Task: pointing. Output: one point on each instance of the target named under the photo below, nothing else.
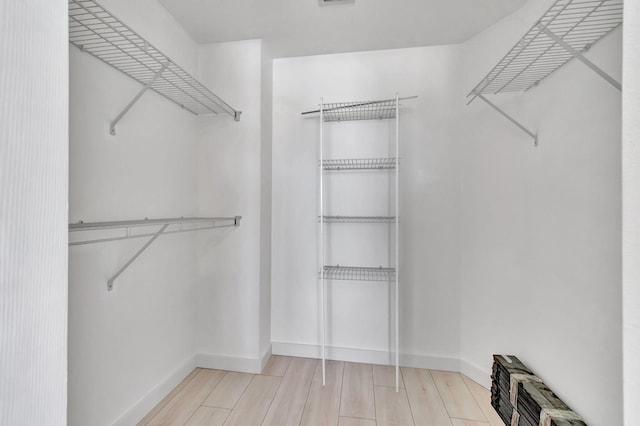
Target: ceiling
(303, 27)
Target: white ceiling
(303, 27)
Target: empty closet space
(291, 391)
(235, 261)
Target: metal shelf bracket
(134, 257)
(112, 126)
(579, 56)
(511, 119)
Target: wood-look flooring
(289, 392)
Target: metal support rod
(397, 241)
(511, 119)
(579, 56)
(112, 126)
(321, 239)
(135, 256)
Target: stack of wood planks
(522, 399)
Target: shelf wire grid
(96, 31)
(358, 273)
(365, 110)
(360, 164)
(579, 23)
(358, 219)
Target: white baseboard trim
(366, 356)
(230, 363)
(477, 374)
(146, 404)
(430, 362)
(335, 353)
(256, 365)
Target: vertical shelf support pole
(112, 125)
(135, 256)
(397, 238)
(508, 117)
(321, 238)
(579, 56)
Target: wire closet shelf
(576, 24)
(96, 31)
(180, 224)
(350, 111)
(359, 219)
(359, 164)
(358, 273)
(359, 110)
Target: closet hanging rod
(199, 223)
(92, 226)
(96, 31)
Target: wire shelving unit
(566, 31)
(356, 111)
(96, 31)
(143, 228)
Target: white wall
(33, 212)
(631, 212)
(130, 346)
(230, 169)
(429, 320)
(542, 226)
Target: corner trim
(266, 356)
(477, 374)
(229, 363)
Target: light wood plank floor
(290, 392)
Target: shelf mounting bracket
(112, 125)
(579, 56)
(511, 119)
(135, 256)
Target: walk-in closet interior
(195, 188)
